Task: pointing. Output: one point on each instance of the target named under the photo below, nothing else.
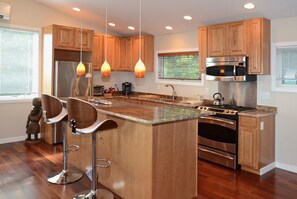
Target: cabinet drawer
(248, 121)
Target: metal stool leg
(66, 176)
(94, 192)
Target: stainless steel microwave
(234, 68)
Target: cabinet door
(216, 40)
(202, 41)
(65, 37)
(129, 66)
(248, 142)
(236, 38)
(259, 46)
(136, 47)
(87, 39)
(120, 53)
(98, 53)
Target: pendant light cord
(105, 30)
(140, 30)
(81, 32)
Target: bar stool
(83, 120)
(53, 112)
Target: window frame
(274, 87)
(26, 98)
(176, 81)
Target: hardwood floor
(24, 169)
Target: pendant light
(139, 69)
(105, 68)
(80, 69)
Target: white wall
(28, 14)
(282, 30)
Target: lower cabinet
(256, 142)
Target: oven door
(217, 139)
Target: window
(19, 58)
(284, 67)
(178, 66)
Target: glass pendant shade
(105, 69)
(139, 69)
(80, 69)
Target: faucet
(174, 95)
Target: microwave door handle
(234, 71)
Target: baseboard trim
(12, 139)
(267, 168)
(286, 167)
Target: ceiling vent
(4, 11)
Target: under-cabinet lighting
(249, 6)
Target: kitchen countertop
(149, 115)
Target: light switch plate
(262, 126)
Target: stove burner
(224, 109)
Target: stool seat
(54, 112)
(83, 120)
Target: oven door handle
(218, 119)
(216, 153)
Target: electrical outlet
(264, 95)
(261, 125)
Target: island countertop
(148, 115)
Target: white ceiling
(156, 14)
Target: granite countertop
(149, 115)
(260, 111)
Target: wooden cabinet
(249, 38)
(227, 39)
(256, 142)
(202, 42)
(68, 38)
(123, 52)
(259, 46)
(147, 51)
(98, 51)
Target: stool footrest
(103, 163)
(72, 147)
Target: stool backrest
(84, 113)
(52, 105)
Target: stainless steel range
(218, 134)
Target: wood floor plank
(24, 169)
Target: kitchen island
(153, 151)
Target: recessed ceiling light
(131, 28)
(249, 6)
(187, 17)
(111, 24)
(76, 9)
(168, 27)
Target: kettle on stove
(218, 99)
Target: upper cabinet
(68, 38)
(227, 39)
(123, 52)
(249, 38)
(259, 46)
(202, 41)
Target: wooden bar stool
(53, 112)
(83, 119)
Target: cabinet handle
(216, 153)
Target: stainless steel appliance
(233, 68)
(127, 88)
(98, 90)
(218, 134)
(68, 84)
